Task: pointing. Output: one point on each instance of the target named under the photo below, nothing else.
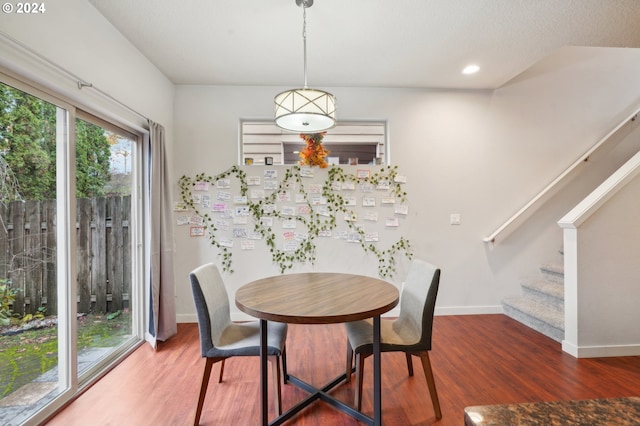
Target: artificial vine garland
(314, 222)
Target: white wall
(72, 34)
(482, 154)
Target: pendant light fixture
(305, 110)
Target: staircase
(541, 305)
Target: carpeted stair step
(544, 291)
(546, 319)
(553, 272)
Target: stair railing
(552, 188)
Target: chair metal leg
(431, 383)
(349, 366)
(203, 389)
(409, 363)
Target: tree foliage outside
(93, 156)
(27, 143)
(28, 149)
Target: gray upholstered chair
(221, 339)
(409, 333)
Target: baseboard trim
(600, 351)
(470, 310)
(186, 318)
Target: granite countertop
(591, 412)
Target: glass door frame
(136, 301)
(69, 383)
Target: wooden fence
(103, 254)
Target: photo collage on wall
(240, 207)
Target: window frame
(265, 139)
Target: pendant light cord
(304, 39)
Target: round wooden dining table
(318, 298)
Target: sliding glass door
(105, 168)
(69, 222)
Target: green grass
(27, 355)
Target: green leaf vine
(315, 222)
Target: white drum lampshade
(305, 110)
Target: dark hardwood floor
(476, 359)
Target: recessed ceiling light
(471, 69)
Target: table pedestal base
(323, 393)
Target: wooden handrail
(552, 188)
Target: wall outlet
(454, 219)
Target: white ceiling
(377, 43)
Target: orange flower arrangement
(314, 153)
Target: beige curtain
(162, 310)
